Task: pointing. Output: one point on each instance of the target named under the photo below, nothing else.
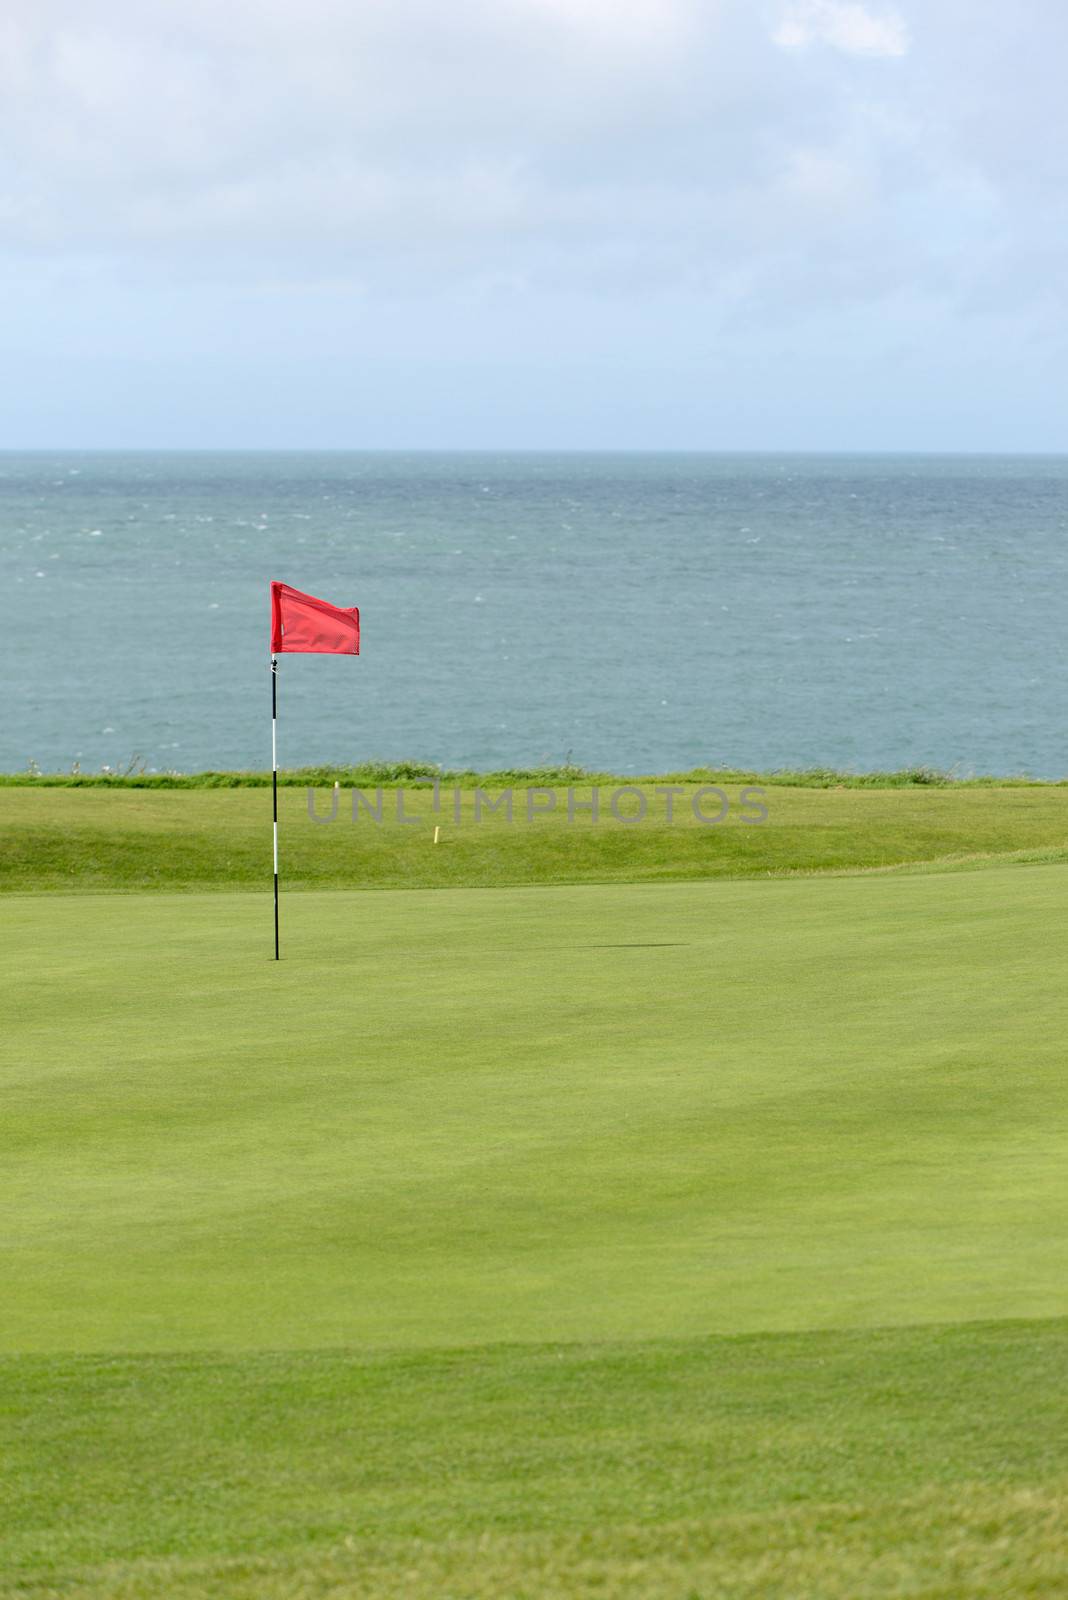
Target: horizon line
(529, 450)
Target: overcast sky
(694, 224)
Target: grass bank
(125, 837)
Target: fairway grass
(678, 1240)
(93, 839)
(902, 1462)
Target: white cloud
(588, 145)
(844, 25)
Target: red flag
(301, 623)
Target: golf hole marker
(301, 624)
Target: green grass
(664, 1239)
(589, 1113)
(781, 1106)
(71, 839)
(899, 1462)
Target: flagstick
(274, 787)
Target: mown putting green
(513, 1136)
(537, 1114)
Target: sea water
(637, 613)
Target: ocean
(637, 613)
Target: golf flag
(301, 623)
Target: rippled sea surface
(640, 613)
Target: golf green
(587, 1113)
(668, 1240)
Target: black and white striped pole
(274, 787)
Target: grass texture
(679, 1240)
(124, 838)
(900, 1462)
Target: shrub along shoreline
(369, 774)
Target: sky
(534, 224)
